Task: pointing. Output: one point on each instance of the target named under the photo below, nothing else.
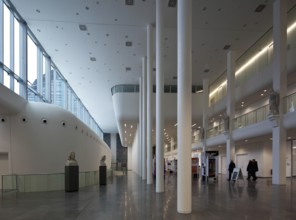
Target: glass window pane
(59, 93)
(16, 47)
(16, 87)
(6, 80)
(32, 62)
(6, 36)
(44, 77)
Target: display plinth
(103, 175)
(71, 178)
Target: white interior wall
(35, 147)
(113, 147)
(267, 159)
(130, 158)
(294, 159)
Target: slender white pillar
(184, 197)
(144, 119)
(149, 105)
(140, 127)
(280, 87)
(230, 102)
(205, 110)
(159, 97)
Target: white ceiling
(110, 23)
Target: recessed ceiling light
(82, 27)
(260, 8)
(226, 47)
(129, 2)
(128, 43)
(172, 3)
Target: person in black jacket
(252, 168)
(230, 169)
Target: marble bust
(102, 161)
(71, 160)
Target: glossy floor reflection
(128, 197)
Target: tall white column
(159, 97)
(280, 87)
(230, 102)
(140, 127)
(205, 108)
(184, 197)
(149, 105)
(144, 119)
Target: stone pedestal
(103, 175)
(71, 178)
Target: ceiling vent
(93, 59)
(128, 43)
(226, 47)
(82, 27)
(260, 8)
(172, 3)
(129, 2)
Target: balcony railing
(289, 103)
(252, 117)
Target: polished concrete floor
(128, 197)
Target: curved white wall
(35, 147)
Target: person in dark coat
(230, 169)
(252, 168)
(249, 169)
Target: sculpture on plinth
(71, 160)
(102, 161)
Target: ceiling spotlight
(172, 3)
(82, 27)
(226, 47)
(128, 44)
(260, 8)
(129, 2)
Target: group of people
(252, 168)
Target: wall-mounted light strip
(252, 60)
